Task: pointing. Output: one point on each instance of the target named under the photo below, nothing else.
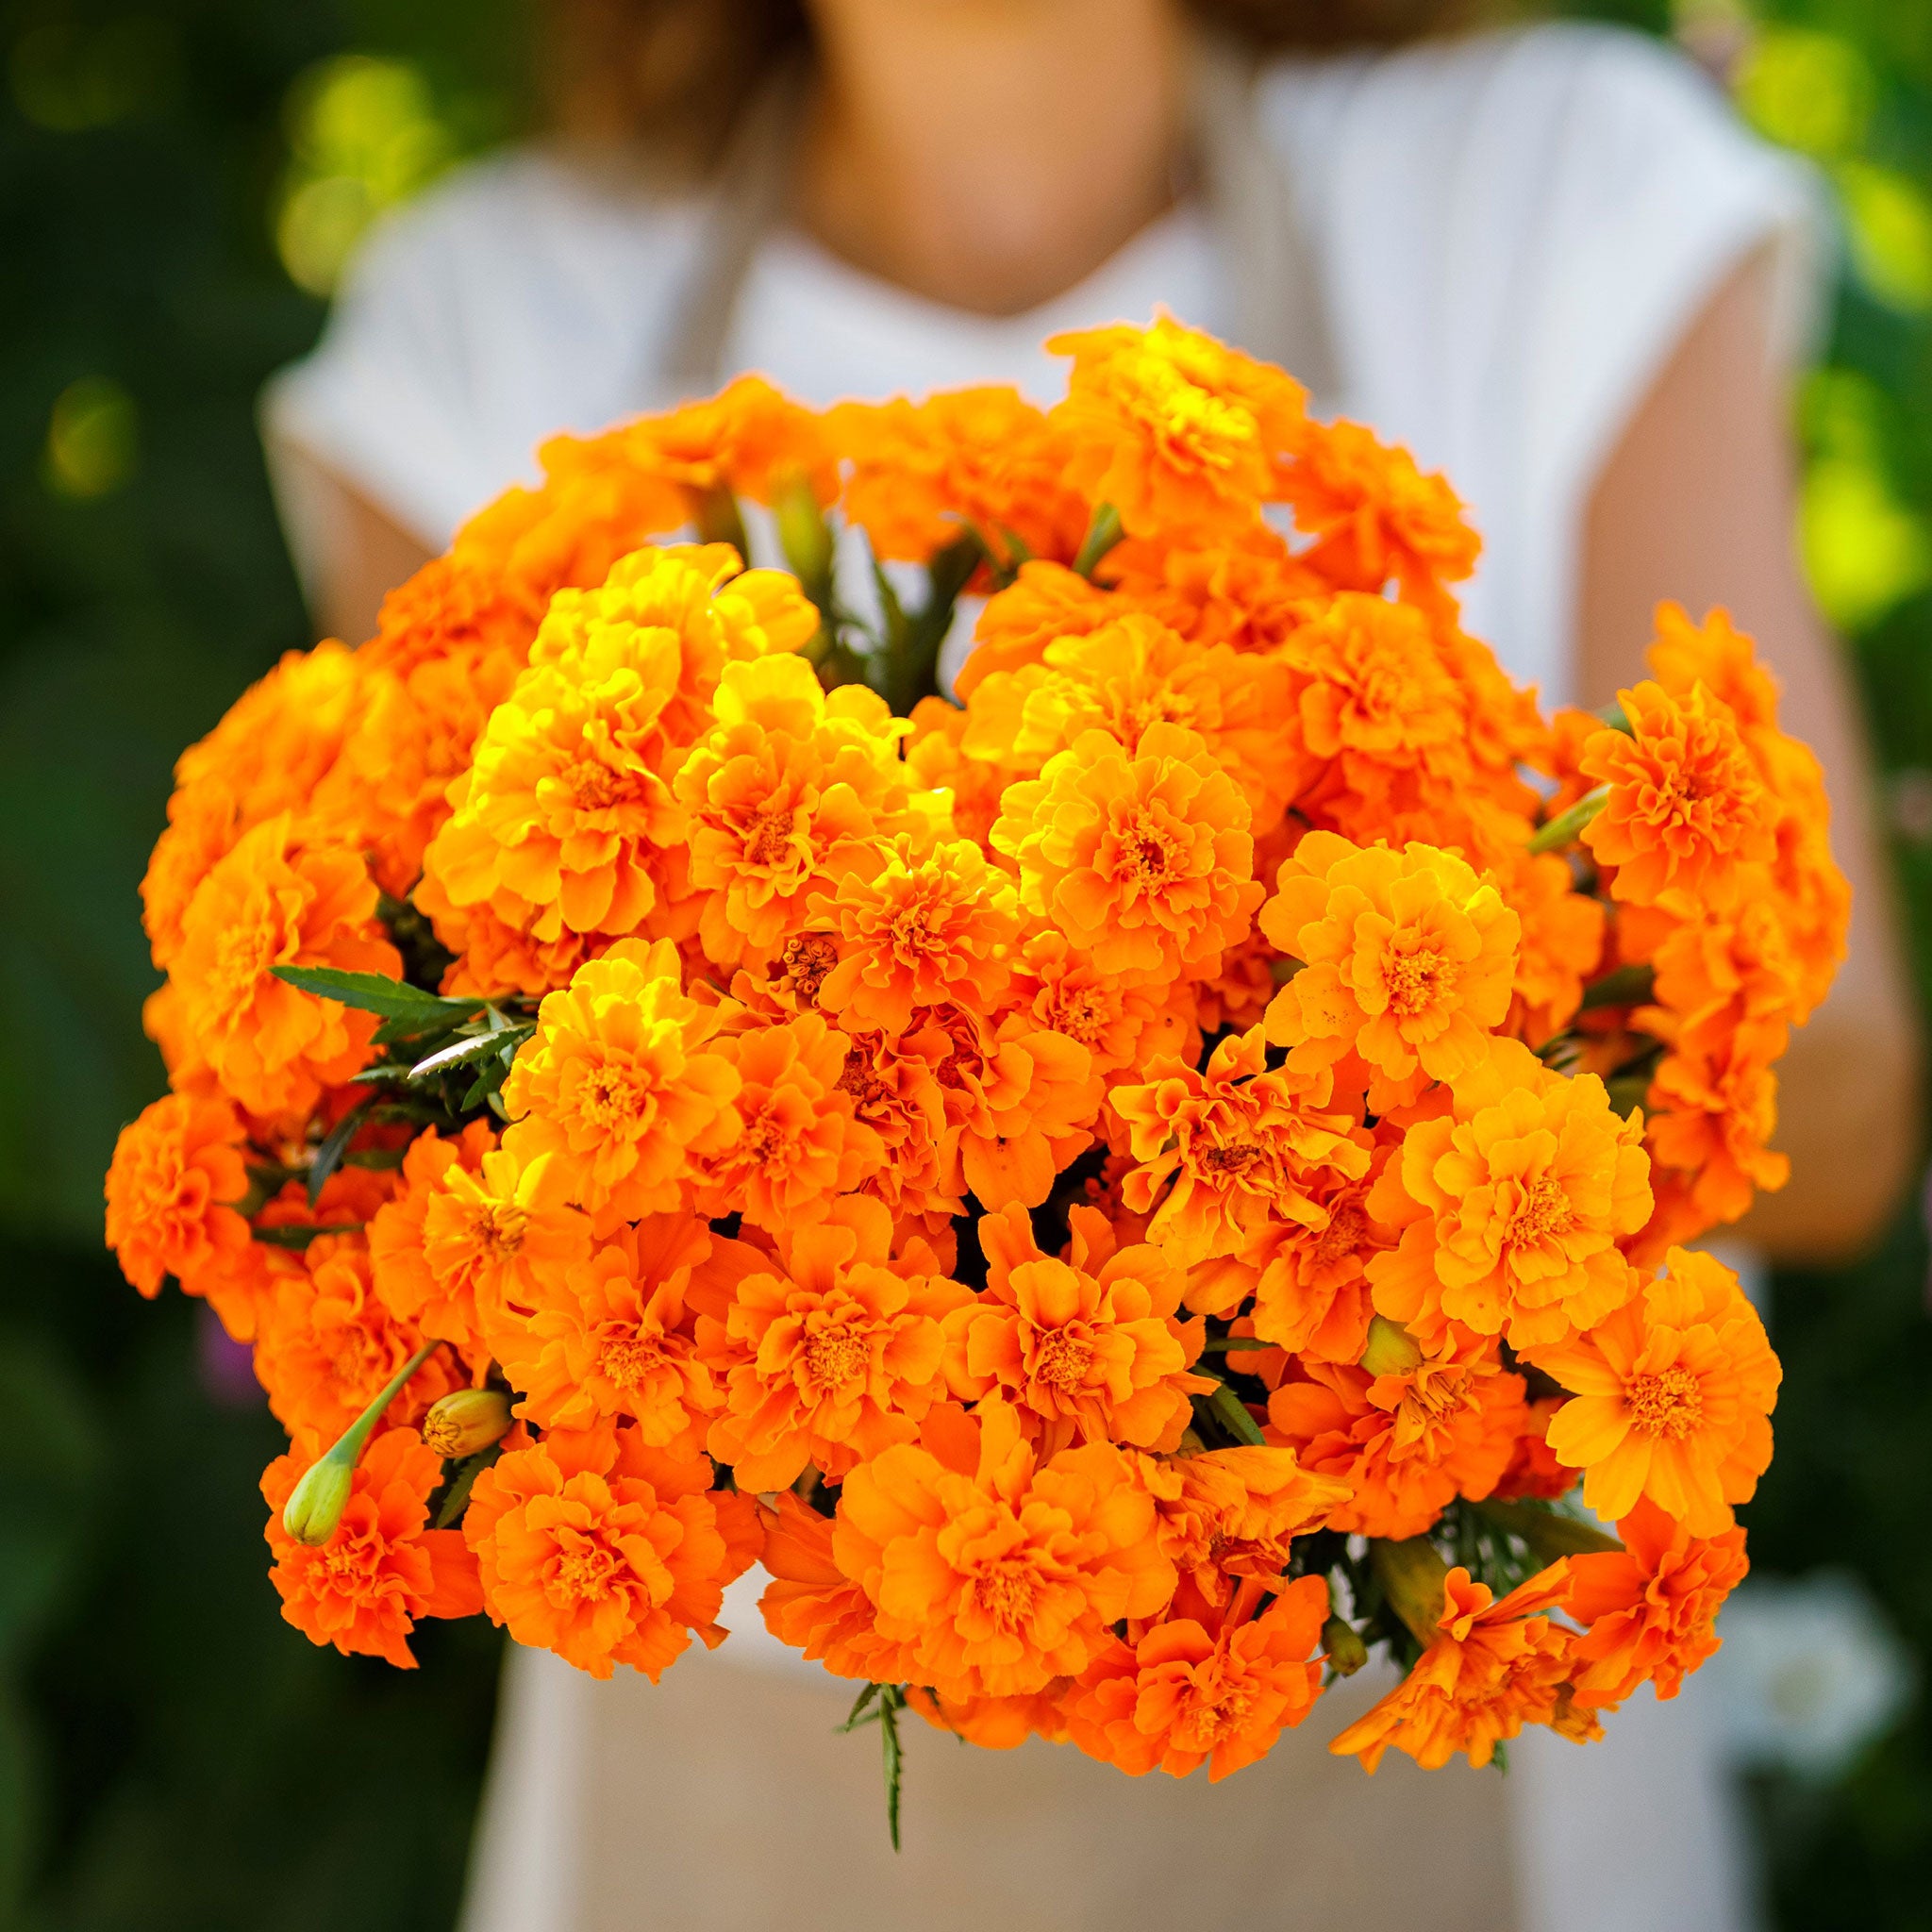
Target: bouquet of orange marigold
(1124, 1189)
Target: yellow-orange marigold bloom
(1494, 1668)
(1562, 943)
(1087, 1349)
(1189, 1694)
(1672, 1397)
(750, 438)
(1230, 1514)
(801, 1142)
(607, 1550)
(1409, 1442)
(1121, 1023)
(1044, 602)
(1022, 1099)
(560, 814)
(1731, 982)
(1512, 1203)
(273, 901)
(997, 1572)
(1717, 654)
(1127, 676)
(896, 1091)
(1310, 1285)
(813, 1606)
(1222, 1153)
(832, 1353)
(473, 1238)
(1377, 516)
(176, 1174)
(1712, 1112)
(1407, 960)
(326, 1344)
(1177, 432)
(1651, 1607)
(790, 789)
(615, 1335)
(1686, 808)
(384, 1569)
(275, 746)
(927, 927)
(622, 1083)
(983, 460)
(1143, 858)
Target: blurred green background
(180, 184)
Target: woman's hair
(680, 69)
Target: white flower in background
(1810, 1671)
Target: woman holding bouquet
(1546, 260)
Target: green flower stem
(1103, 533)
(1565, 827)
(1231, 1413)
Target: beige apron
(721, 1800)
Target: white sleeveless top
(1511, 231)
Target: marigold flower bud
(1412, 1574)
(1347, 1652)
(316, 1505)
(1391, 1349)
(465, 1420)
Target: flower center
(1544, 1211)
(1006, 1591)
(243, 954)
(582, 1568)
(834, 1356)
(594, 786)
(498, 1228)
(1342, 1236)
(1416, 981)
(626, 1357)
(768, 837)
(1062, 1358)
(1669, 1404)
(612, 1095)
(1231, 1162)
(807, 957)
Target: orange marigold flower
(1132, 674)
(895, 1088)
(1511, 1202)
(1189, 1693)
(1177, 432)
(1494, 1668)
(622, 1082)
(1712, 1113)
(997, 1572)
(790, 789)
(384, 1569)
(1021, 1100)
(1407, 1442)
(1650, 1607)
(1562, 943)
(275, 745)
(1377, 689)
(1143, 860)
(935, 759)
(1121, 1023)
(177, 1172)
(275, 902)
(814, 1606)
(1376, 514)
(1310, 1284)
(326, 1344)
(929, 926)
(1044, 602)
(607, 1550)
(1226, 1152)
(1230, 1515)
(831, 1355)
(1089, 1348)
(1407, 960)
(1686, 808)
(475, 1241)
(749, 437)
(1731, 982)
(801, 1143)
(1534, 1471)
(615, 1336)
(1672, 1397)
(981, 459)
(1717, 654)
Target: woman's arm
(360, 551)
(1698, 502)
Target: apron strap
(1278, 314)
